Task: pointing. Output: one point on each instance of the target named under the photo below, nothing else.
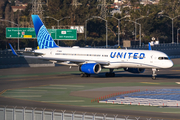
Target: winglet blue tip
(13, 51)
(150, 46)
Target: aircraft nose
(170, 64)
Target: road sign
(21, 32)
(80, 28)
(66, 34)
(56, 34)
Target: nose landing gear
(154, 73)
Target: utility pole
(103, 9)
(47, 2)
(74, 4)
(37, 8)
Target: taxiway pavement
(13, 78)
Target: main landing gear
(110, 73)
(154, 74)
(85, 75)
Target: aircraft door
(155, 60)
(151, 58)
(51, 52)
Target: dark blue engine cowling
(135, 70)
(90, 68)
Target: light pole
(172, 26)
(86, 29)
(16, 25)
(136, 25)
(57, 21)
(118, 27)
(139, 30)
(177, 35)
(106, 28)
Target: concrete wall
(7, 59)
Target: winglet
(13, 51)
(150, 46)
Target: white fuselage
(117, 58)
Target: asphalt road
(13, 78)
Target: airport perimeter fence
(9, 113)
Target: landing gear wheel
(154, 74)
(153, 77)
(82, 74)
(113, 74)
(107, 74)
(110, 74)
(85, 75)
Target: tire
(113, 74)
(153, 77)
(110, 74)
(107, 74)
(82, 74)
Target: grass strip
(62, 95)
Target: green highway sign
(56, 34)
(66, 34)
(52, 32)
(21, 33)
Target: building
(16, 8)
(19, 6)
(144, 2)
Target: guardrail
(144, 46)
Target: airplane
(93, 60)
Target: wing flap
(75, 61)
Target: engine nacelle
(134, 70)
(90, 68)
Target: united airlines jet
(92, 60)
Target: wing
(74, 62)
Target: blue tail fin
(43, 37)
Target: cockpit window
(163, 58)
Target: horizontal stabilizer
(13, 51)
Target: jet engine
(90, 68)
(134, 70)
